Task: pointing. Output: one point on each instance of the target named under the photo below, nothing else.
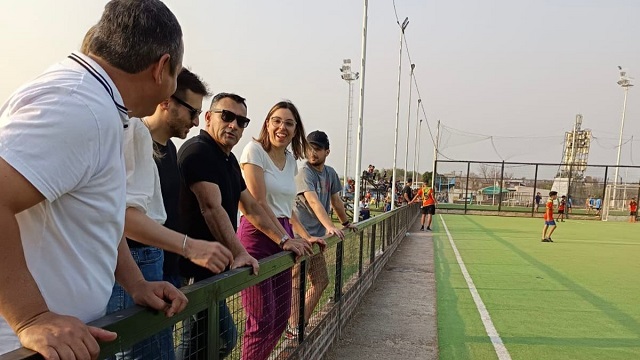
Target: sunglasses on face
(193, 111)
(229, 116)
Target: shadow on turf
(606, 307)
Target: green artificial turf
(576, 298)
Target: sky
(516, 70)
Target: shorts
(550, 223)
(429, 209)
(633, 213)
(560, 211)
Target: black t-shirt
(167, 165)
(407, 190)
(201, 159)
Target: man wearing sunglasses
(212, 191)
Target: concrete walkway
(397, 318)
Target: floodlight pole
(415, 145)
(403, 26)
(435, 156)
(348, 76)
(625, 83)
(356, 194)
(406, 150)
(419, 143)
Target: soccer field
(576, 298)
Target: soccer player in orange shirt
(561, 208)
(428, 205)
(549, 223)
(633, 210)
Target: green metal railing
(353, 257)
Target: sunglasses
(193, 111)
(229, 116)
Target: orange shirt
(548, 213)
(562, 204)
(427, 196)
(633, 206)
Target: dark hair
(299, 144)
(86, 41)
(551, 193)
(409, 180)
(133, 34)
(190, 81)
(223, 95)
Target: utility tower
(348, 76)
(574, 159)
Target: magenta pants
(267, 304)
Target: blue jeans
(159, 346)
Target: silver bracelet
(184, 246)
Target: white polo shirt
(64, 133)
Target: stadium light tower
(625, 83)
(406, 150)
(403, 27)
(348, 76)
(418, 157)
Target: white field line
(498, 345)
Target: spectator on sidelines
(549, 223)
(633, 210)
(63, 211)
(569, 204)
(561, 208)
(407, 192)
(146, 206)
(538, 199)
(318, 188)
(597, 204)
(428, 208)
(212, 191)
(269, 170)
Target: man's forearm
(220, 227)
(259, 218)
(143, 229)
(127, 271)
(20, 298)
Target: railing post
(604, 187)
(361, 258)
(213, 327)
(302, 292)
(337, 294)
(535, 189)
(372, 235)
(466, 191)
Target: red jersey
(548, 213)
(562, 205)
(633, 205)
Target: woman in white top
(269, 170)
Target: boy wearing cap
(318, 188)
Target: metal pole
(625, 82)
(406, 150)
(419, 143)
(535, 189)
(501, 182)
(347, 148)
(395, 139)
(466, 191)
(415, 144)
(356, 195)
(435, 155)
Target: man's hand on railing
(332, 230)
(159, 295)
(322, 244)
(62, 337)
(208, 254)
(350, 226)
(244, 259)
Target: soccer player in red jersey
(549, 223)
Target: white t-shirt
(64, 134)
(280, 184)
(143, 179)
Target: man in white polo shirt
(62, 183)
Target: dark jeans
(159, 346)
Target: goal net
(616, 201)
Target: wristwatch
(346, 223)
(284, 239)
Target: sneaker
(422, 228)
(428, 228)
(291, 333)
(545, 240)
(549, 239)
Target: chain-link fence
(510, 188)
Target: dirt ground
(397, 318)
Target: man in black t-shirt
(407, 192)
